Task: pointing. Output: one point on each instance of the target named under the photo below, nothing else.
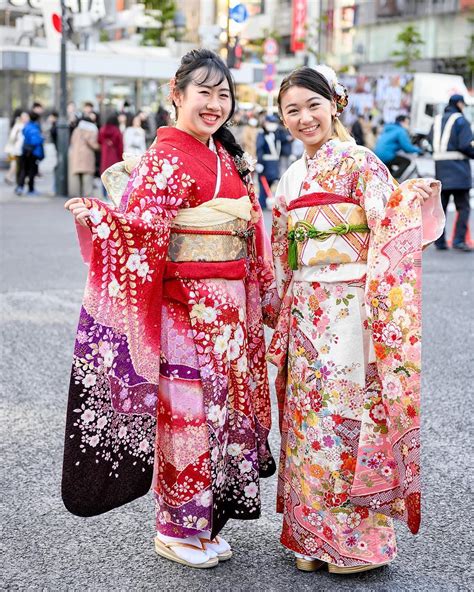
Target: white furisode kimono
(347, 248)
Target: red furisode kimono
(169, 374)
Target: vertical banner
(298, 25)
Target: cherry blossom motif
(95, 216)
(89, 380)
(103, 230)
(251, 490)
(88, 416)
(392, 335)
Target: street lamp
(62, 125)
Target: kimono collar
(327, 146)
(189, 144)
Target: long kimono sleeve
(277, 352)
(110, 426)
(387, 475)
(280, 302)
(260, 283)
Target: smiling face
(308, 117)
(203, 107)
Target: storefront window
(117, 92)
(85, 88)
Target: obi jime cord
(304, 230)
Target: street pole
(227, 33)
(62, 125)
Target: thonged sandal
(224, 556)
(308, 564)
(339, 569)
(166, 550)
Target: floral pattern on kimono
(144, 350)
(349, 363)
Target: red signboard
(298, 25)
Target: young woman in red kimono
(171, 332)
(347, 250)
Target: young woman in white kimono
(347, 248)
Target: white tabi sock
(195, 556)
(307, 557)
(219, 545)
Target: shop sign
(298, 25)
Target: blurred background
(395, 57)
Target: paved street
(45, 548)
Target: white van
(430, 95)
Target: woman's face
(24, 117)
(137, 121)
(308, 116)
(203, 108)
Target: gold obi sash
(216, 230)
(320, 236)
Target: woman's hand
(425, 189)
(78, 209)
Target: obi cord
(304, 230)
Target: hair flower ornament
(172, 87)
(245, 164)
(339, 91)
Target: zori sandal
(340, 569)
(166, 550)
(307, 564)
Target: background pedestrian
(134, 140)
(32, 153)
(82, 150)
(452, 141)
(111, 143)
(14, 146)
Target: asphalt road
(45, 548)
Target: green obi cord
(304, 230)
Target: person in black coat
(452, 141)
(357, 131)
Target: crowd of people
(93, 146)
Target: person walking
(134, 140)
(249, 136)
(14, 146)
(111, 144)
(453, 147)
(286, 142)
(395, 139)
(32, 153)
(82, 153)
